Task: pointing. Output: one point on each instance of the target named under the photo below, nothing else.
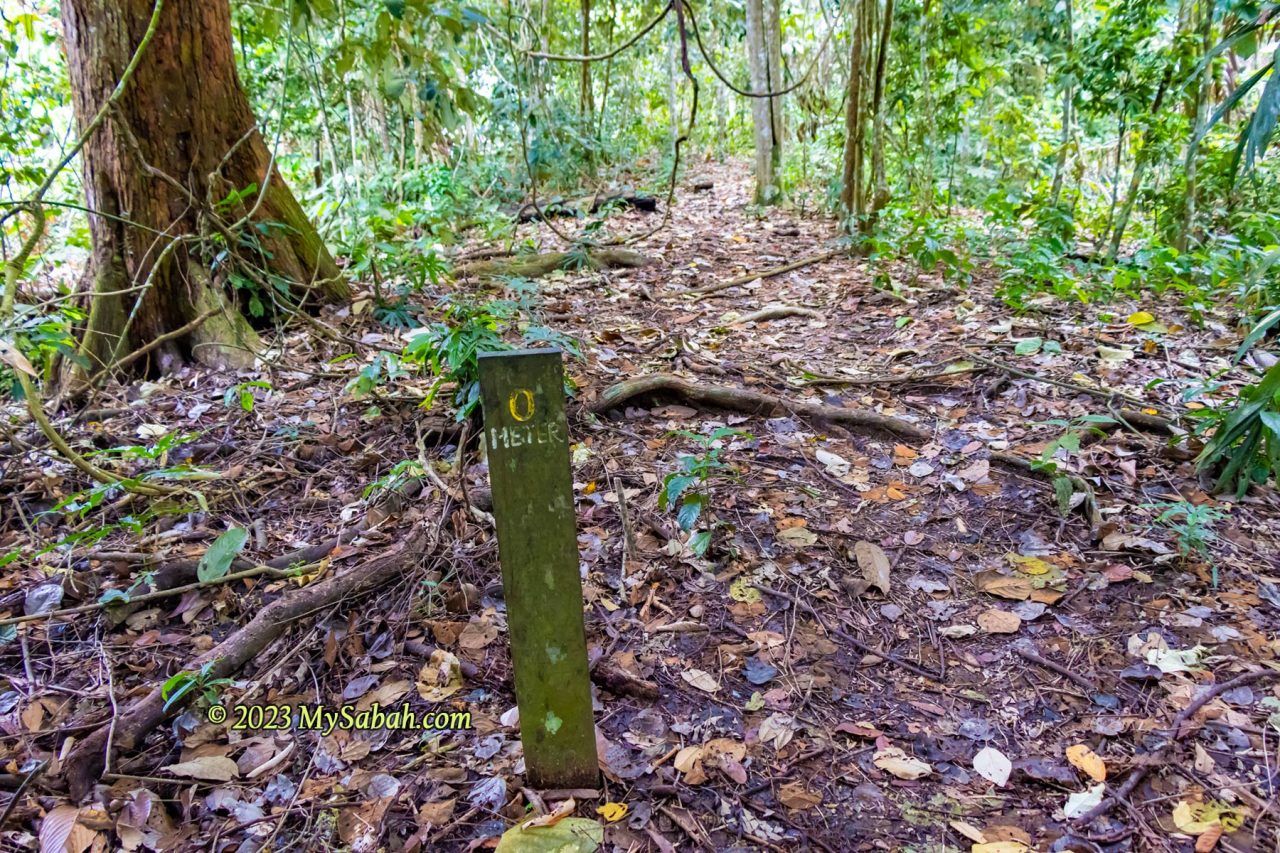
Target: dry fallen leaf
(1005, 586)
(702, 680)
(210, 768)
(896, 762)
(613, 812)
(993, 765)
(794, 795)
(556, 815)
(997, 621)
(874, 564)
(1087, 761)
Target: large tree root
(757, 403)
(582, 206)
(765, 273)
(752, 403)
(536, 266)
(86, 762)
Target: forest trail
(1024, 654)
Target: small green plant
(1074, 431)
(399, 474)
(242, 393)
(384, 368)
(201, 683)
(688, 489)
(1192, 528)
(450, 350)
(1245, 445)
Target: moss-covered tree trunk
(184, 116)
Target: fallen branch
(1026, 652)
(751, 403)
(765, 273)
(583, 206)
(148, 596)
(757, 403)
(1152, 422)
(1140, 772)
(776, 312)
(87, 760)
(865, 648)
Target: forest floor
(1024, 655)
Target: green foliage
(242, 393)
(449, 349)
(217, 561)
(1192, 528)
(400, 474)
(1244, 447)
(200, 684)
(688, 489)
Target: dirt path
(1043, 632)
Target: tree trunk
(880, 196)
(851, 190)
(585, 106)
(1198, 115)
(1060, 166)
(773, 45)
(768, 155)
(927, 152)
(1139, 170)
(185, 115)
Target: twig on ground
(83, 766)
(776, 312)
(1184, 716)
(1027, 652)
(848, 638)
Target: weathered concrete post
(528, 444)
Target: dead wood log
(182, 572)
(86, 762)
(584, 205)
(536, 266)
(752, 403)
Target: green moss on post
(527, 439)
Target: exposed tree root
(585, 205)
(86, 762)
(757, 403)
(765, 273)
(776, 312)
(1156, 424)
(751, 403)
(536, 266)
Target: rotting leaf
(894, 761)
(874, 564)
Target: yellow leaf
(1141, 318)
(1028, 565)
(742, 590)
(590, 488)
(1184, 817)
(613, 812)
(1000, 847)
(1087, 761)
